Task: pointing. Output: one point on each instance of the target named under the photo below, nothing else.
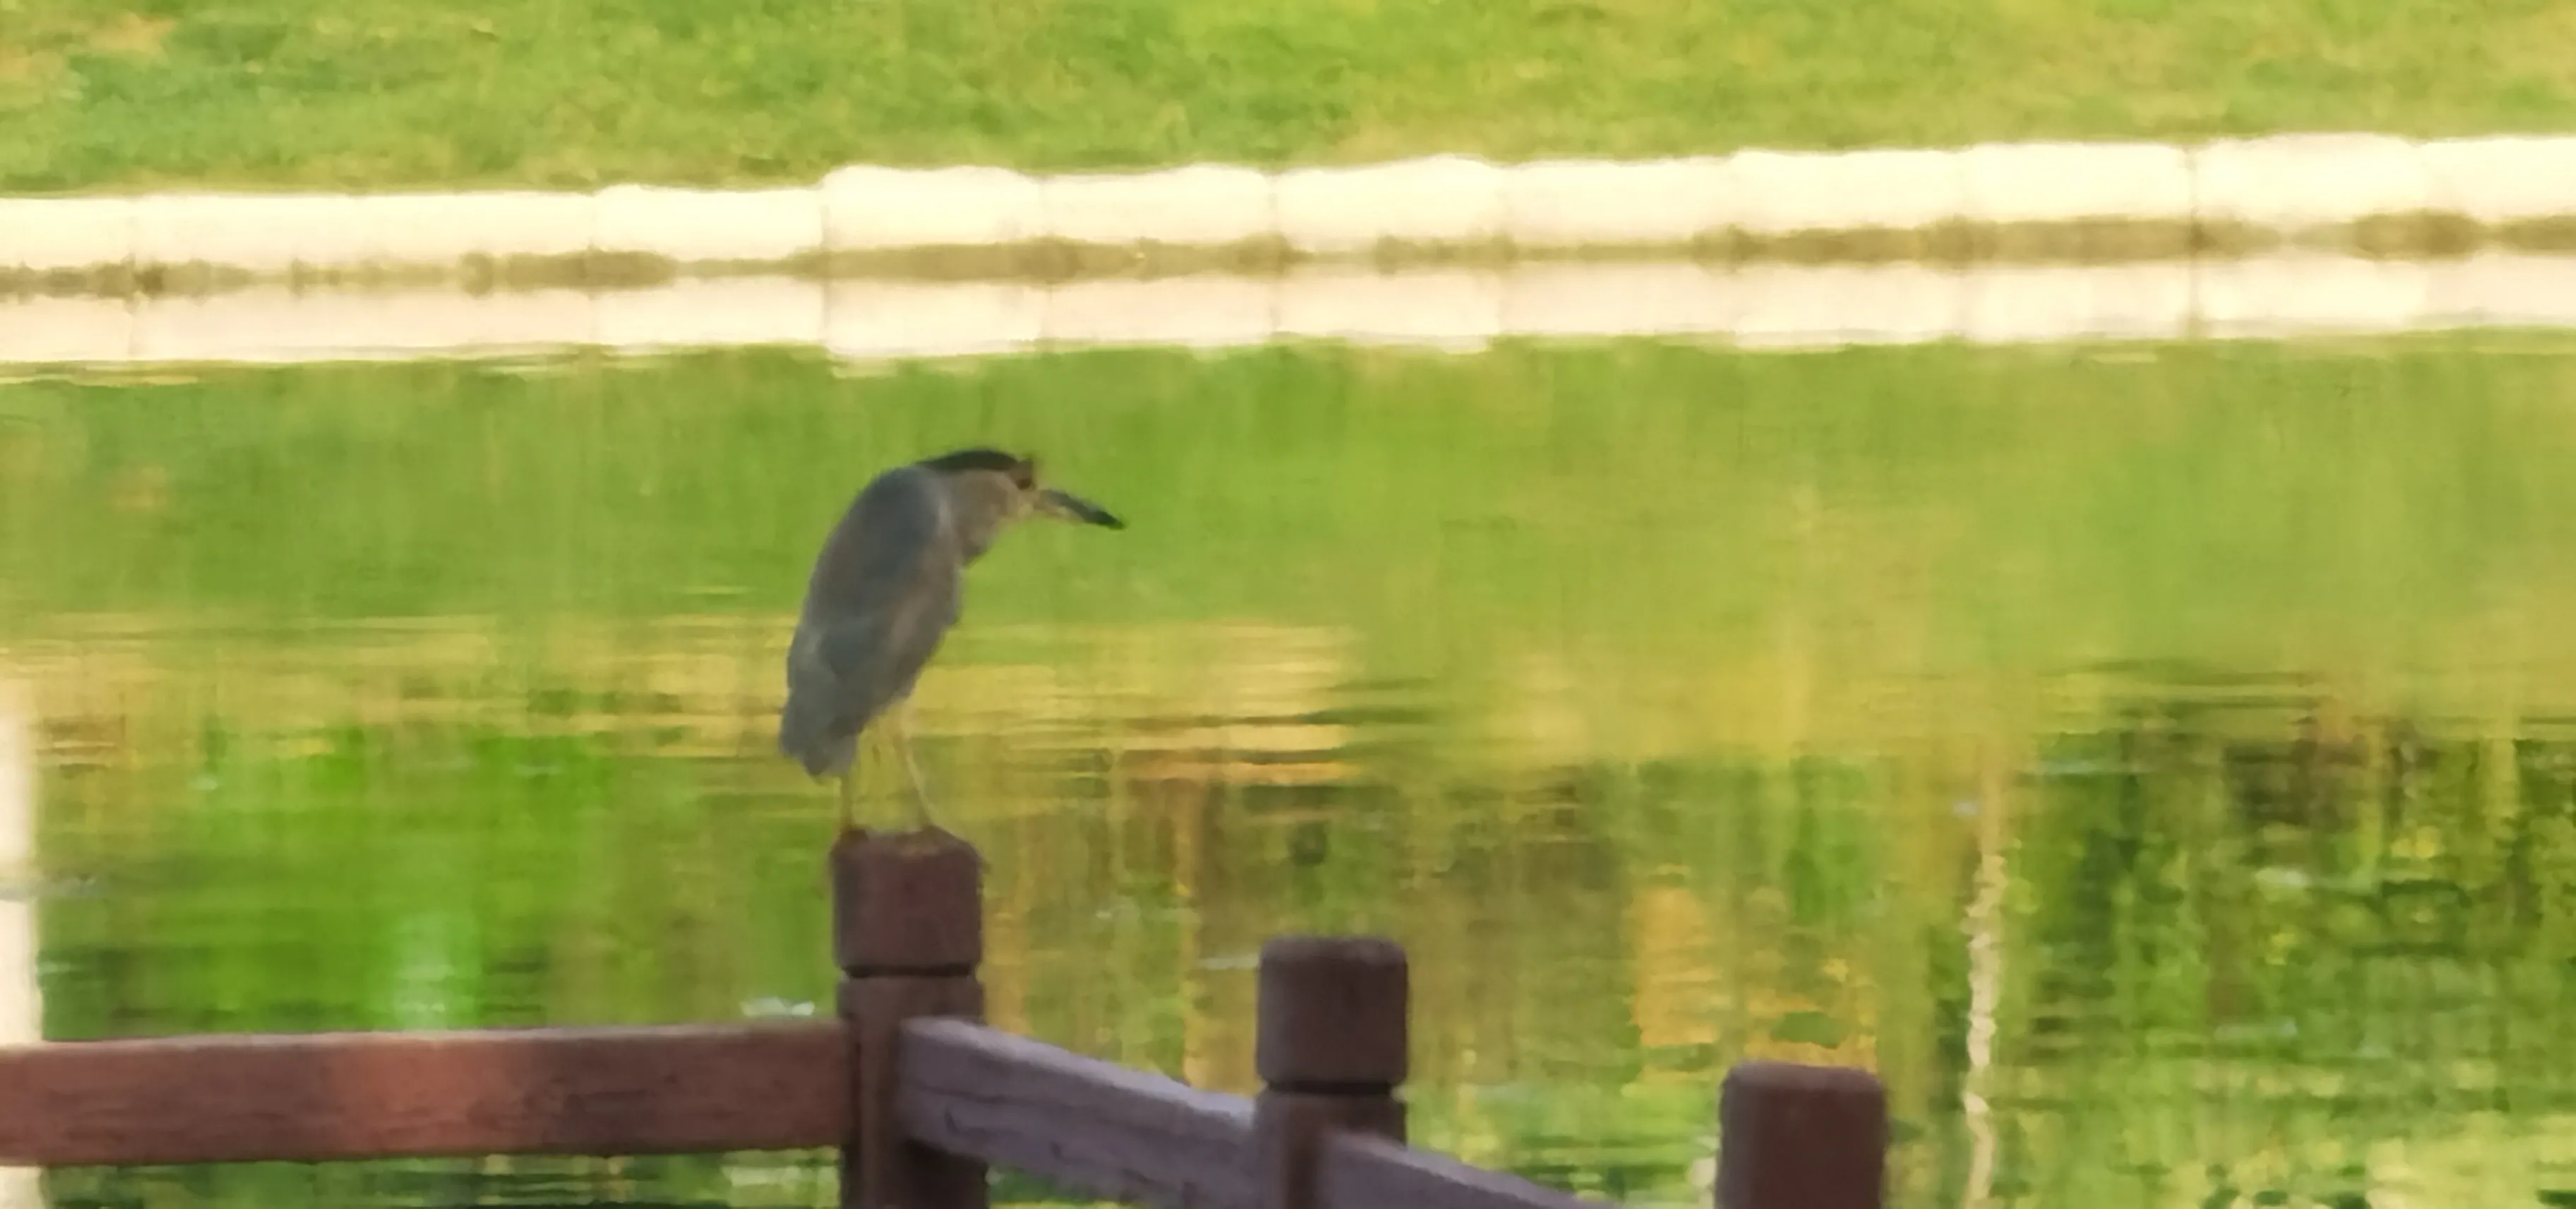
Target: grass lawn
(95, 94)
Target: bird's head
(993, 488)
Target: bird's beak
(1075, 508)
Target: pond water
(2159, 764)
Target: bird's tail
(805, 734)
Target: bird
(886, 588)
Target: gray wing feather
(884, 592)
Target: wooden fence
(917, 1096)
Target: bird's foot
(849, 816)
(922, 817)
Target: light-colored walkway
(2324, 189)
(2284, 294)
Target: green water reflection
(2161, 766)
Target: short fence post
(1801, 1137)
(907, 932)
(1330, 1050)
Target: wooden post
(1801, 1137)
(907, 932)
(1331, 1050)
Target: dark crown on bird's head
(1023, 471)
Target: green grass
(578, 92)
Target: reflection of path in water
(1756, 305)
(22, 1016)
(1984, 926)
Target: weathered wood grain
(1331, 1046)
(908, 931)
(324, 1096)
(1090, 1126)
(1813, 1137)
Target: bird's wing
(872, 657)
(877, 552)
(884, 592)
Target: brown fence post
(907, 932)
(1330, 1050)
(1801, 1137)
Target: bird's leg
(903, 738)
(849, 789)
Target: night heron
(885, 590)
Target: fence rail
(917, 1095)
(327, 1096)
